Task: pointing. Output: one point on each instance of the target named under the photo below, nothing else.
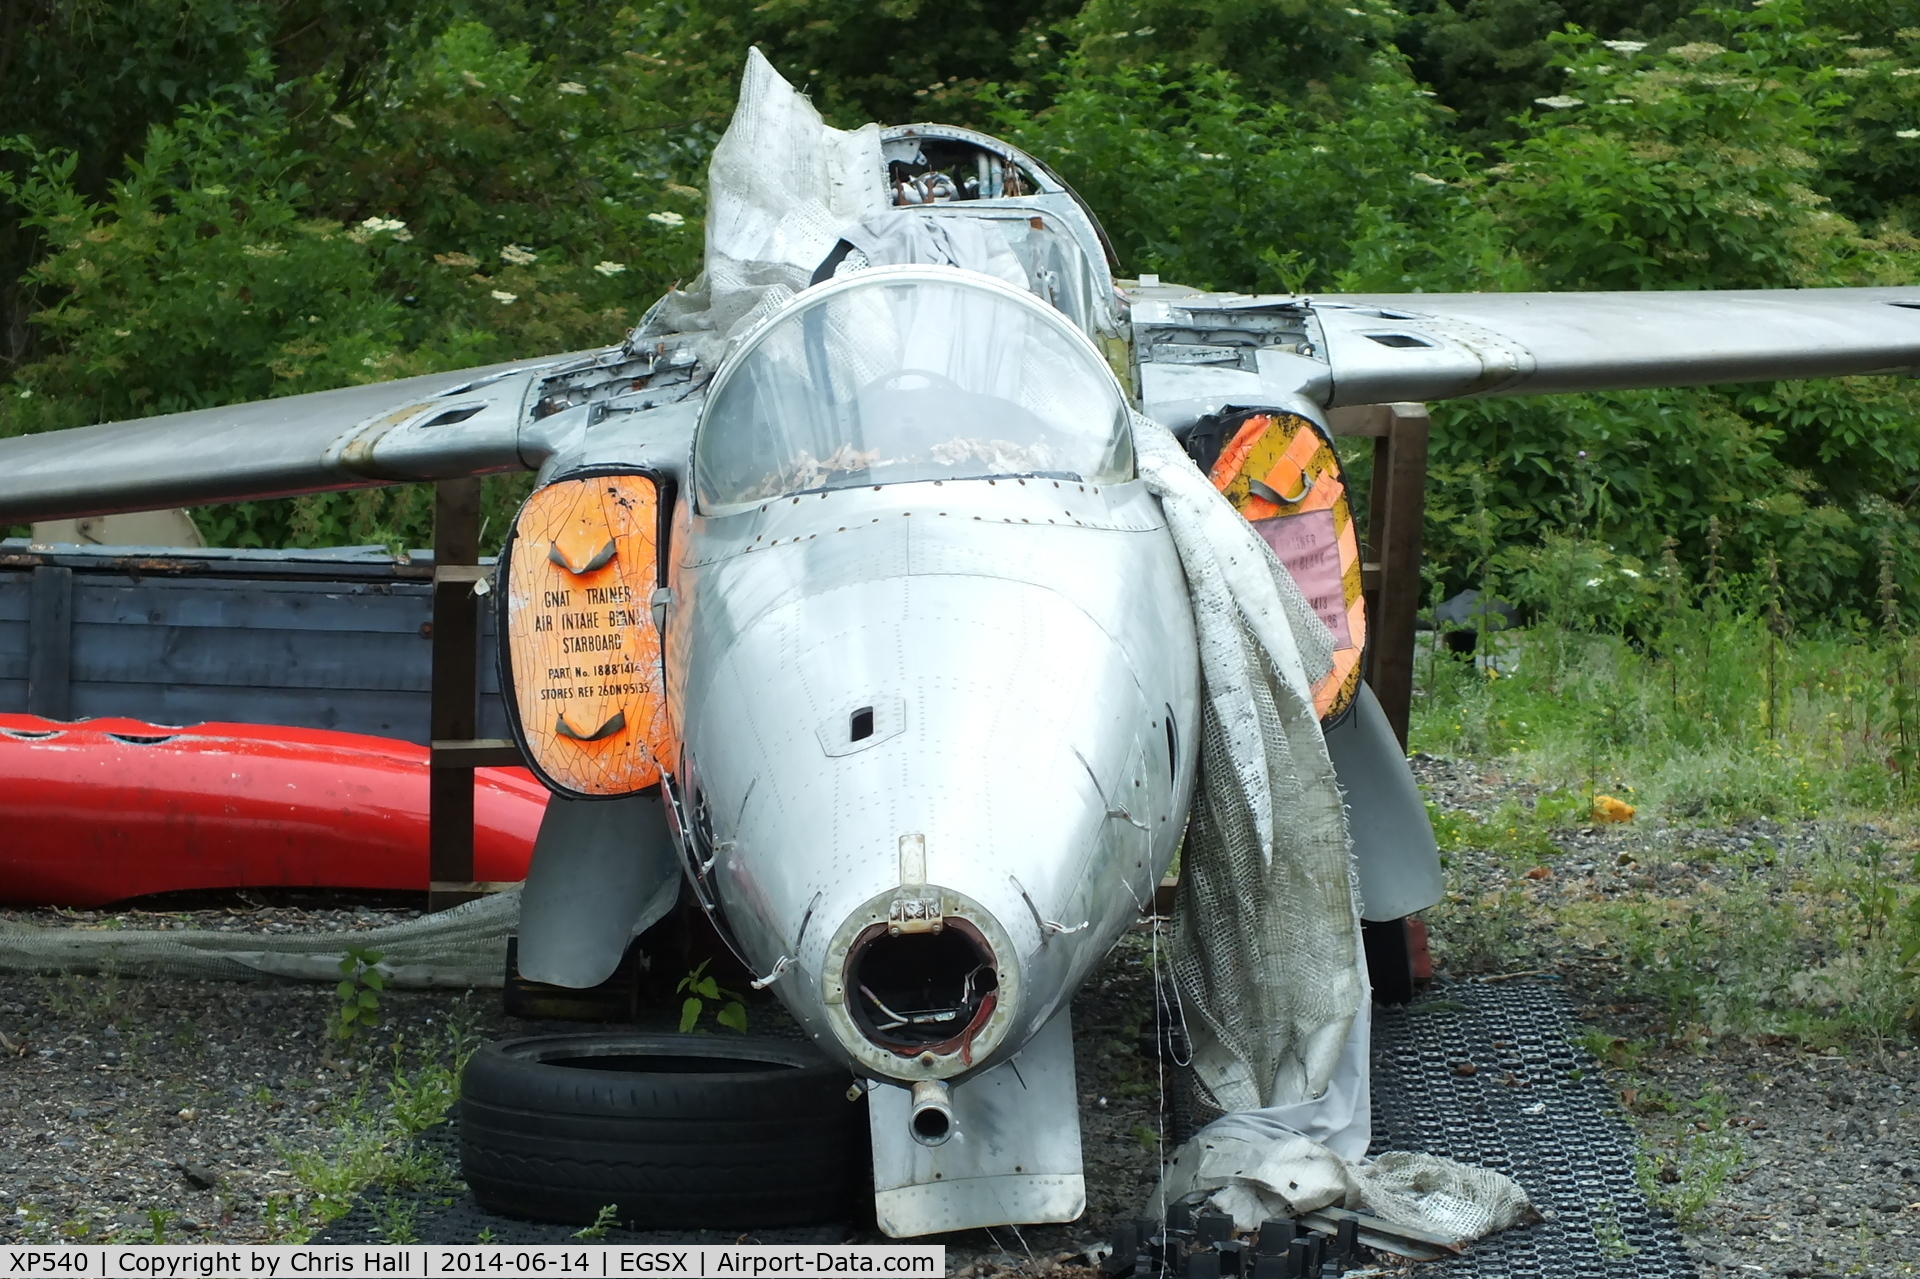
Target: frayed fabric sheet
(1268, 970)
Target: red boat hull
(107, 809)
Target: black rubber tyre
(672, 1130)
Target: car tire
(670, 1130)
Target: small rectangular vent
(862, 726)
(1397, 339)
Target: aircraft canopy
(896, 375)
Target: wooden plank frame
(1390, 558)
(456, 702)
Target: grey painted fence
(319, 639)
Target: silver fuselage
(1022, 647)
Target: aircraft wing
(1382, 348)
(1201, 351)
(440, 426)
(1197, 353)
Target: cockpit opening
(931, 170)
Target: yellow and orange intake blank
(1280, 472)
(586, 672)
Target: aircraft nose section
(936, 799)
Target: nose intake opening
(922, 991)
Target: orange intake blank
(585, 665)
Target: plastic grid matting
(1526, 1112)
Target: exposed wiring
(898, 1020)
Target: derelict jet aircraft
(854, 594)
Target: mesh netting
(1255, 1178)
(458, 948)
(1428, 1191)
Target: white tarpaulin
(782, 187)
(1268, 966)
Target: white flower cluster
(387, 226)
(1625, 46)
(1560, 101)
(518, 255)
(504, 298)
(668, 218)
(610, 269)
(571, 88)
(1906, 133)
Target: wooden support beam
(1390, 567)
(456, 705)
(1400, 460)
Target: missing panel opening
(861, 726)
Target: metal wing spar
(440, 426)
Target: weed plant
(372, 1144)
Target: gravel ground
(1824, 1143)
(126, 1101)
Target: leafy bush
(481, 207)
(314, 198)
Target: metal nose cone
(921, 982)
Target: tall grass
(1695, 703)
